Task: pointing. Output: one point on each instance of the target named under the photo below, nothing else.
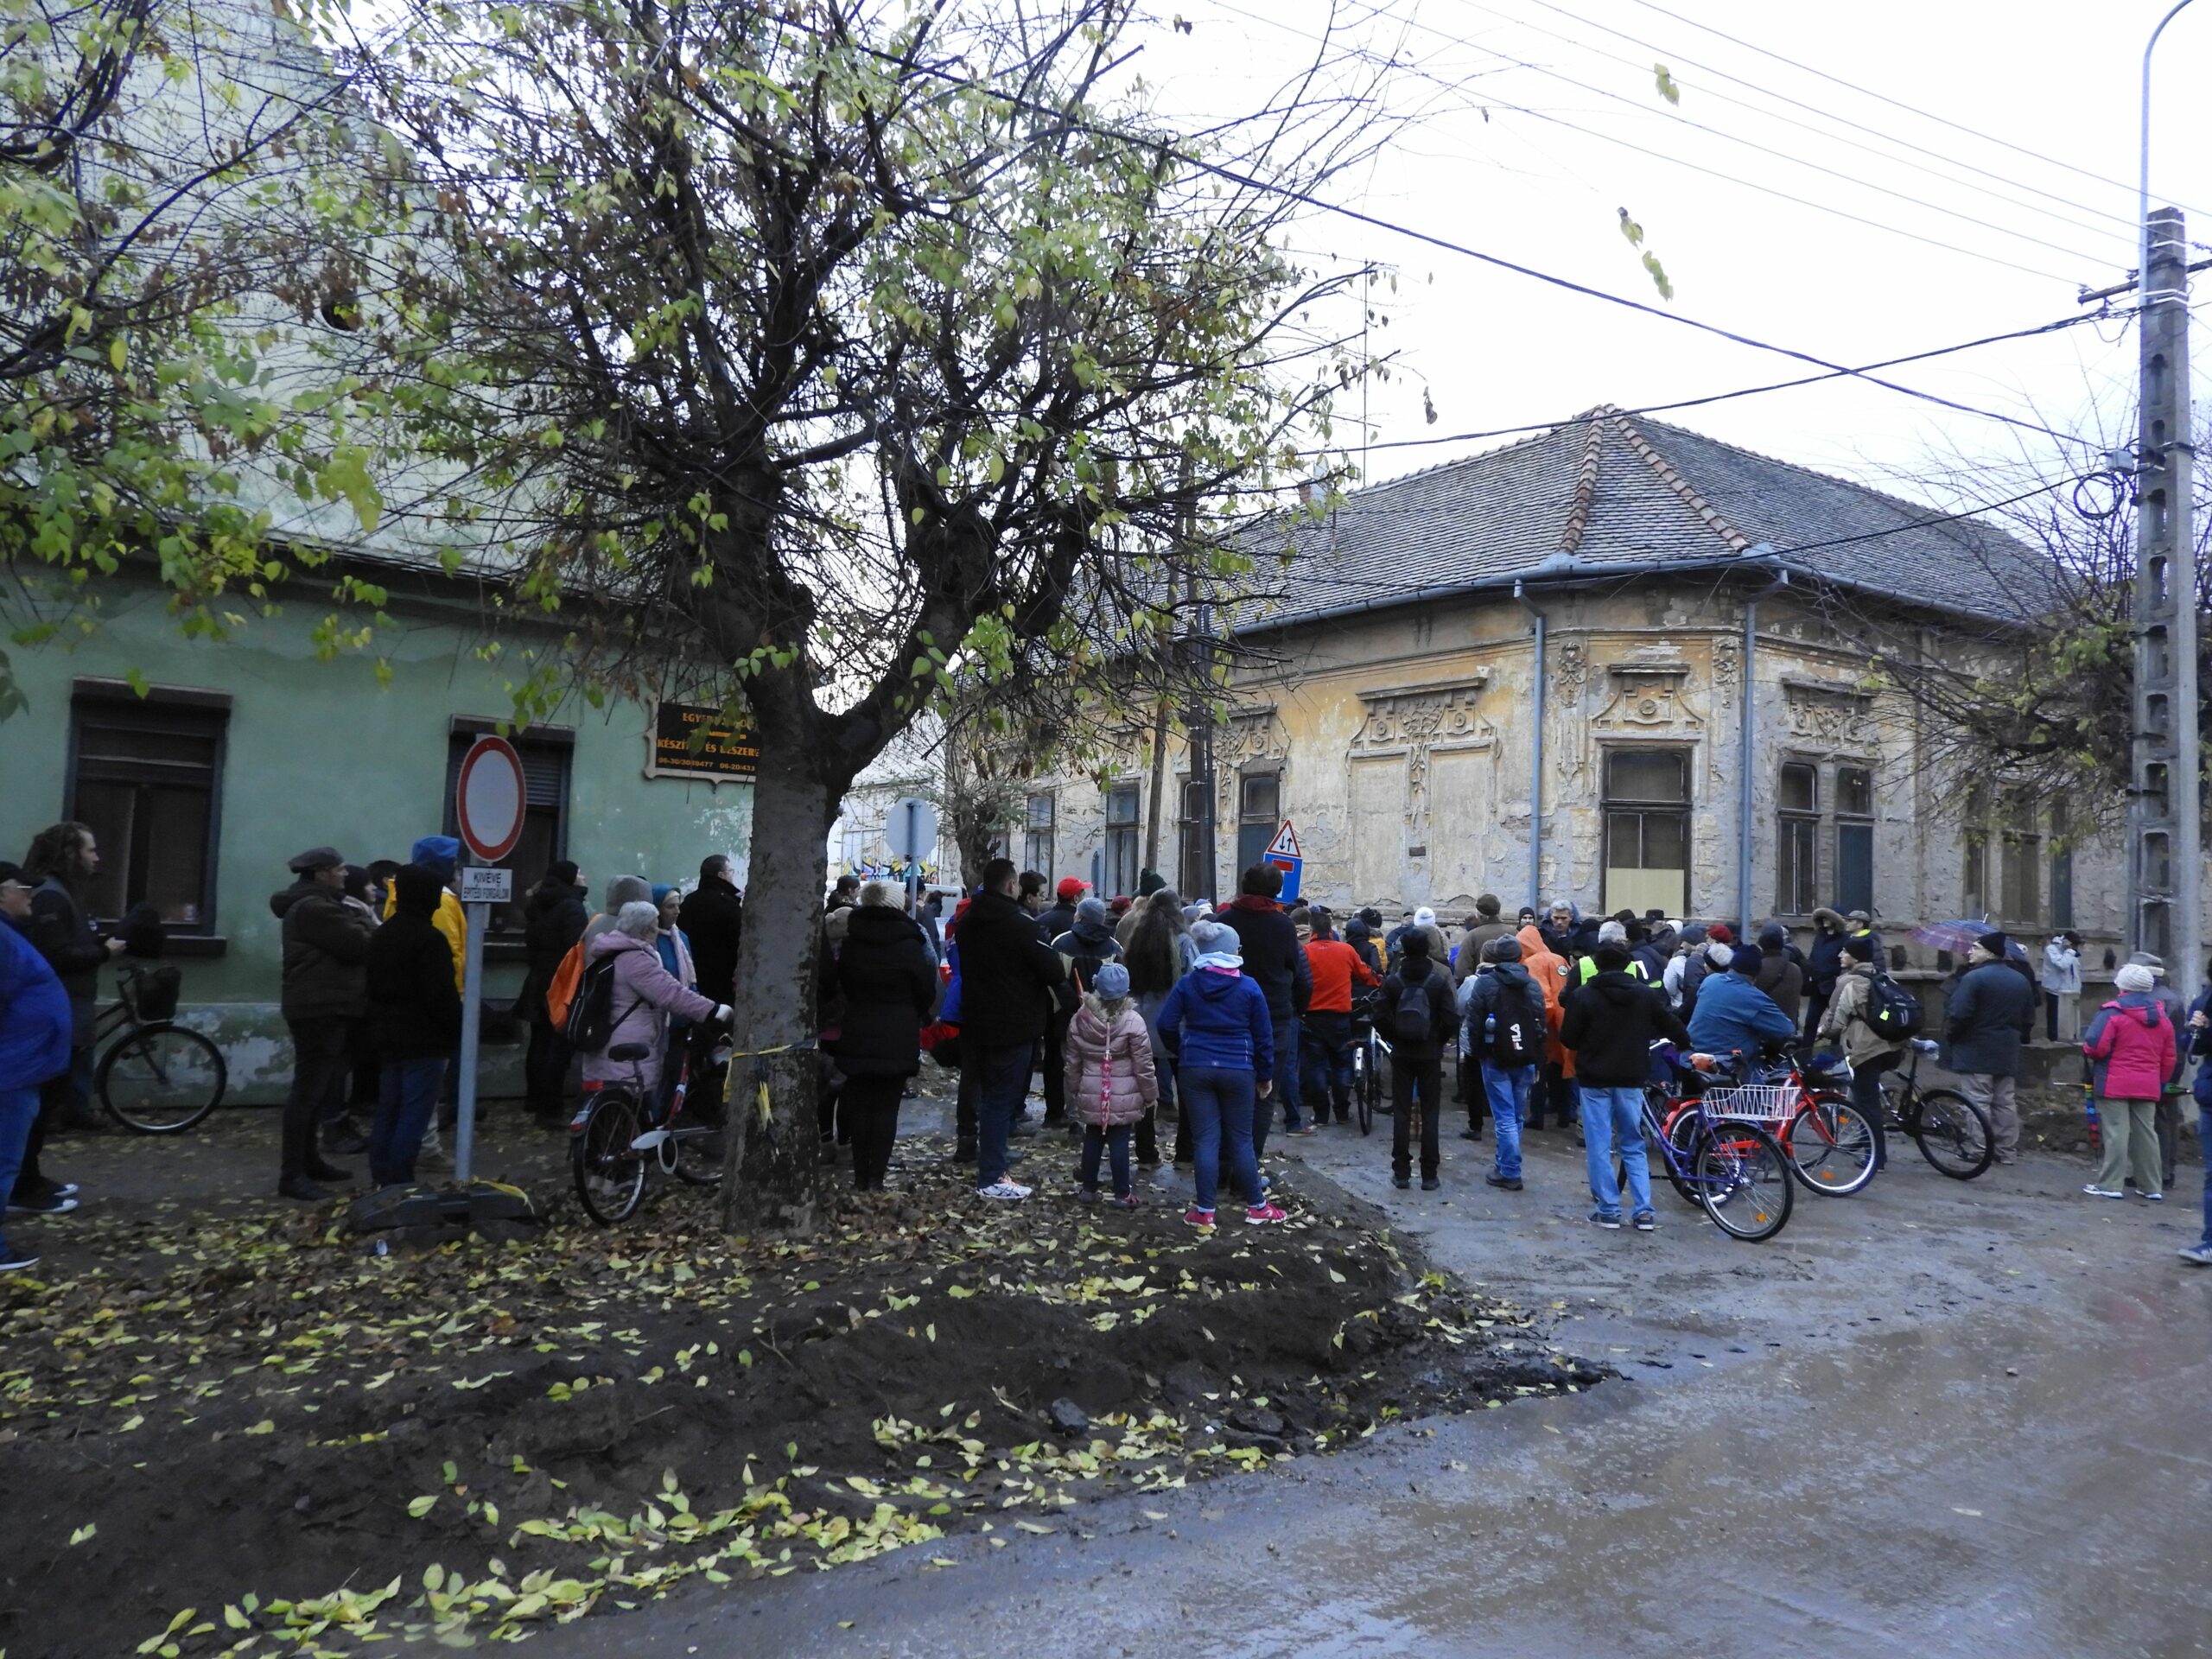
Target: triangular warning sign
(1284, 845)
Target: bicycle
(613, 1140)
(155, 1076)
(1952, 1133)
(1370, 1064)
(1733, 1169)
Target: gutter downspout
(1535, 755)
(1746, 749)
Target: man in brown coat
(1474, 940)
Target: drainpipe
(1535, 759)
(1747, 750)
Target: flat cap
(316, 858)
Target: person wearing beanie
(553, 917)
(1730, 1015)
(441, 855)
(1110, 1082)
(1504, 1030)
(1216, 1027)
(1087, 945)
(1779, 974)
(1415, 1009)
(1610, 1023)
(1990, 1014)
(2132, 1042)
(2177, 1007)
(1847, 1019)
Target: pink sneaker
(1263, 1215)
(1198, 1218)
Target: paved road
(1937, 1419)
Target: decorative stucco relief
(1828, 717)
(1650, 698)
(1247, 738)
(1413, 720)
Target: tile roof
(1609, 489)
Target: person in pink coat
(1111, 1082)
(2132, 1040)
(646, 993)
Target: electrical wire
(1895, 103)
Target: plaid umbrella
(1954, 937)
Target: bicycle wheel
(699, 1155)
(1680, 1131)
(1366, 1086)
(161, 1079)
(1832, 1148)
(1952, 1133)
(1743, 1179)
(610, 1173)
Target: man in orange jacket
(1327, 1035)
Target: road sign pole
(472, 1031)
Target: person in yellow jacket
(441, 854)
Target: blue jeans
(1002, 1085)
(18, 1111)
(2203, 1139)
(407, 1095)
(1096, 1140)
(1286, 1089)
(1218, 1101)
(1506, 1088)
(1608, 1115)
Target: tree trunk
(773, 1178)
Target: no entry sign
(488, 799)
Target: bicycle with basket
(153, 1075)
(1733, 1168)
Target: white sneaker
(2096, 1191)
(1002, 1189)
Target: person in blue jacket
(35, 1028)
(1733, 1015)
(1216, 1026)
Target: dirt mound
(249, 1426)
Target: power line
(2128, 233)
(1895, 103)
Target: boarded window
(1648, 831)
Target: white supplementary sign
(481, 885)
(488, 799)
(1284, 845)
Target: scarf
(1222, 961)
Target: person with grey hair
(644, 995)
(621, 890)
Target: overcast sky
(1513, 159)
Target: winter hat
(1996, 943)
(1112, 980)
(415, 890)
(660, 893)
(1611, 932)
(1092, 909)
(1744, 958)
(356, 883)
(316, 858)
(1721, 933)
(1861, 947)
(1214, 940)
(1424, 917)
(1774, 936)
(1506, 949)
(562, 872)
(1487, 904)
(1121, 903)
(1692, 933)
(437, 854)
(2133, 977)
(1071, 888)
(1719, 955)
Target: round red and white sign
(489, 798)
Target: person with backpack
(1554, 1093)
(1502, 1025)
(1333, 966)
(1417, 1009)
(2132, 1043)
(1111, 1083)
(554, 917)
(414, 1013)
(1872, 1017)
(1610, 1024)
(625, 996)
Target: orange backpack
(562, 990)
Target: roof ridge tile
(1735, 540)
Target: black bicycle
(1370, 1064)
(616, 1134)
(153, 1075)
(1952, 1133)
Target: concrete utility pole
(2164, 814)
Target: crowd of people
(1149, 1017)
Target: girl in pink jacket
(1111, 1083)
(2131, 1040)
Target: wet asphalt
(1936, 1417)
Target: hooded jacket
(1443, 1015)
(1610, 1024)
(60, 929)
(1272, 958)
(1845, 1017)
(1504, 988)
(621, 890)
(2062, 967)
(1088, 944)
(553, 921)
(1056, 919)
(436, 855)
(1548, 970)
(1110, 1077)
(1825, 960)
(1007, 974)
(414, 1004)
(34, 1019)
(646, 993)
(887, 976)
(1991, 1012)
(712, 918)
(1219, 1017)
(1734, 1016)
(2132, 1042)
(1783, 982)
(326, 952)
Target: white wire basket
(1758, 1103)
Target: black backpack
(1519, 1037)
(591, 1011)
(1892, 1012)
(1411, 1020)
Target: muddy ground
(231, 1427)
